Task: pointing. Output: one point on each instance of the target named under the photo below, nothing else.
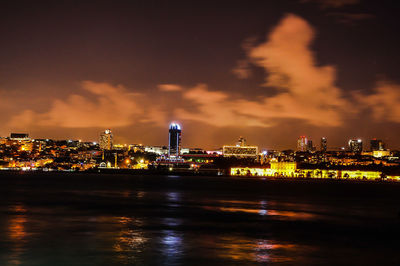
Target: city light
(355, 162)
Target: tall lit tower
(106, 140)
(174, 139)
(324, 145)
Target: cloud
(169, 87)
(216, 108)
(332, 3)
(242, 69)
(304, 90)
(383, 102)
(296, 87)
(105, 106)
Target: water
(90, 219)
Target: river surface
(105, 219)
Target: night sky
(266, 70)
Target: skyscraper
(302, 143)
(174, 140)
(106, 139)
(356, 145)
(324, 145)
(310, 146)
(377, 145)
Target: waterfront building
(159, 150)
(381, 153)
(174, 139)
(106, 140)
(240, 150)
(290, 170)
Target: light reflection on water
(170, 226)
(289, 215)
(173, 196)
(130, 241)
(261, 208)
(240, 248)
(173, 199)
(17, 233)
(172, 248)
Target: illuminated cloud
(383, 102)
(304, 90)
(216, 108)
(99, 105)
(169, 87)
(242, 69)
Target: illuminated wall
(289, 170)
(106, 140)
(379, 154)
(240, 151)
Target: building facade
(174, 140)
(106, 140)
(240, 149)
(324, 145)
(377, 145)
(355, 145)
(302, 143)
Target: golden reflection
(16, 228)
(17, 233)
(266, 212)
(126, 193)
(246, 249)
(140, 194)
(130, 238)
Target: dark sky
(266, 70)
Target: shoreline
(214, 173)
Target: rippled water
(77, 219)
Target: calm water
(78, 219)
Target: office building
(302, 143)
(377, 145)
(106, 140)
(240, 150)
(355, 145)
(324, 145)
(19, 136)
(174, 140)
(310, 146)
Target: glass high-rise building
(302, 143)
(174, 140)
(324, 145)
(106, 140)
(377, 145)
(356, 145)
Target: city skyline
(174, 146)
(267, 71)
